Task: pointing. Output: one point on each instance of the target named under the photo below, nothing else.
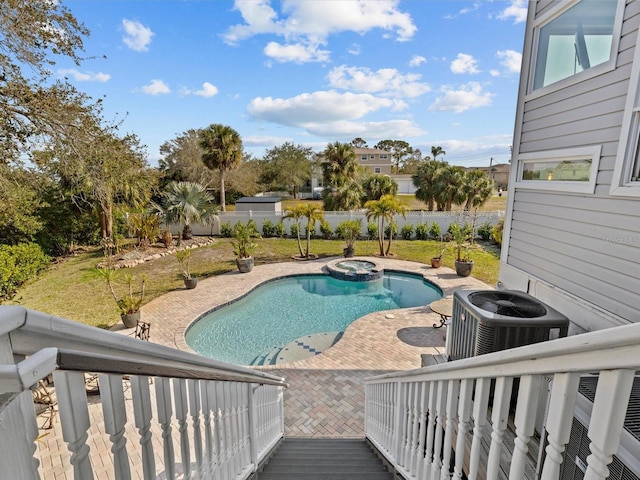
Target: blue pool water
(281, 311)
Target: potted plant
(130, 303)
(184, 256)
(244, 245)
(349, 230)
(436, 261)
(461, 236)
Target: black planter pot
(348, 252)
(190, 283)
(463, 269)
(130, 320)
(245, 265)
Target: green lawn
(70, 288)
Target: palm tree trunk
(308, 239)
(390, 239)
(299, 242)
(222, 196)
(381, 237)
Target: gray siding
(587, 245)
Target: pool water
(283, 310)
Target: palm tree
(435, 151)
(448, 187)
(313, 215)
(295, 213)
(376, 185)
(223, 151)
(477, 187)
(425, 179)
(384, 210)
(340, 172)
(186, 203)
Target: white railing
(224, 419)
(418, 418)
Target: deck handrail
(431, 421)
(224, 418)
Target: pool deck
(325, 397)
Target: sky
(312, 72)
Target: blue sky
(431, 72)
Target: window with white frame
(383, 156)
(372, 157)
(377, 170)
(626, 171)
(363, 157)
(577, 36)
(568, 170)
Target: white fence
(414, 218)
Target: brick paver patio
(325, 397)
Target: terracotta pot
(348, 252)
(130, 320)
(436, 262)
(190, 283)
(463, 269)
(245, 265)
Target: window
(570, 170)
(383, 156)
(371, 157)
(363, 158)
(626, 171)
(577, 36)
(377, 170)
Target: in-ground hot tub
(355, 270)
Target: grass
(71, 289)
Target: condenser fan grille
(507, 304)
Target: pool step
(300, 348)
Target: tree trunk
(222, 197)
(299, 242)
(381, 237)
(106, 220)
(308, 240)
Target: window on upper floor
(577, 36)
(568, 170)
(363, 157)
(383, 156)
(371, 157)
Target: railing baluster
(74, 418)
(499, 419)
(115, 419)
(607, 420)
(221, 432)
(142, 414)
(559, 418)
(525, 421)
(424, 412)
(181, 403)
(163, 402)
(207, 410)
(480, 405)
(252, 427)
(415, 428)
(405, 422)
(234, 416)
(441, 401)
(194, 408)
(431, 427)
(464, 412)
(451, 408)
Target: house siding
(587, 246)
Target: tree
(295, 213)
(223, 152)
(425, 180)
(186, 203)
(32, 35)
(313, 215)
(399, 150)
(413, 162)
(359, 143)
(436, 151)
(287, 166)
(448, 187)
(382, 211)
(20, 203)
(340, 172)
(182, 159)
(376, 185)
(477, 188)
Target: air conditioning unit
(486, 321)
(626, 462)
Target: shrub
(225, 230)
(485, 230)
(167, 238)
(293, 230)
(422, 231)
(372, 231)
(19, 263)
(392, 227)
(279, 230)
(145, 227)
(407, 231)
(268, 229)
(496, 233)
(434, 231)
(325, 230)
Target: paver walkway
(325, 397)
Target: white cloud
(264, 140)
(517, 10)
(156, 87)
(386, 81)
(473, 8)
(316, 107)
(510, 59)
(208, 90)
(84, 77)
(297, 53)
(417, 60)
(494, 73)
(354, 49)
(466, 97)
(348, 130)
(310, 23)
(464, 63)
(136, 36)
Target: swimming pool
(288, 308)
